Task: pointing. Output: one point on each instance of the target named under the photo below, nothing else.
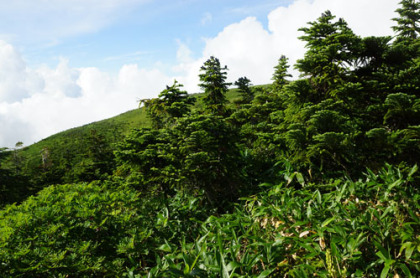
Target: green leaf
(406, 271)
(165, 247)
(383, 254)
(394, 184)
(409, 249)
(300, 178)
(265, 273)
(219, 255)
(318, 196)
(186, 269)
(328, 221)
(413, 171)
(385, 271)
(309, 211)
(387, 210)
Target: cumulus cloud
(249, 49)
(16, 81)
(35, 103)
(61, 81)
(243, 47)
(38, 102)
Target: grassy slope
(73, 145)
(113, 129)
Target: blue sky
(65, 63)
(141, 31)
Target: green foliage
(366, 227)
(280, 73)
(199, 153)
(12, 184)
(273, 185)
(408, 20)
(210, 157)
(213, 82)
(246, 92)
(171, 104)
(80, 229)
(149, 163)
(354, 227)
(403, 110)
(331, 52)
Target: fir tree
(280, 73)
(244, 84)
(213, 81)
(332, 48)
(408, 21)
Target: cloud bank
(249, 49)
(38, 102)
(35, 103)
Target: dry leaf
(322, 243)
(305, 233)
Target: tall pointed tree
(408, 21)
(213, 82)
(280, 73)
(331, 54)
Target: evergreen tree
(213, 82)
(244, 84)
(408, 21)
(13, 185)
(172, 103)
(176, 102)
(155, 111)
(280, 73)
(332, 52)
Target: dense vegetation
(312, 177)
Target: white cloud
(64, 97)
(16, 82)
(243, 48)
(60, 82)
(35, 103)
(248, 49)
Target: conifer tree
(172, 103)
(332, 52)
(244, 84)
(408, 21)
(213, 81)
(280, 73)
(176, 101)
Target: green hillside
(57, 159)
(113, 129)
(311, 177)
(67, 156)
